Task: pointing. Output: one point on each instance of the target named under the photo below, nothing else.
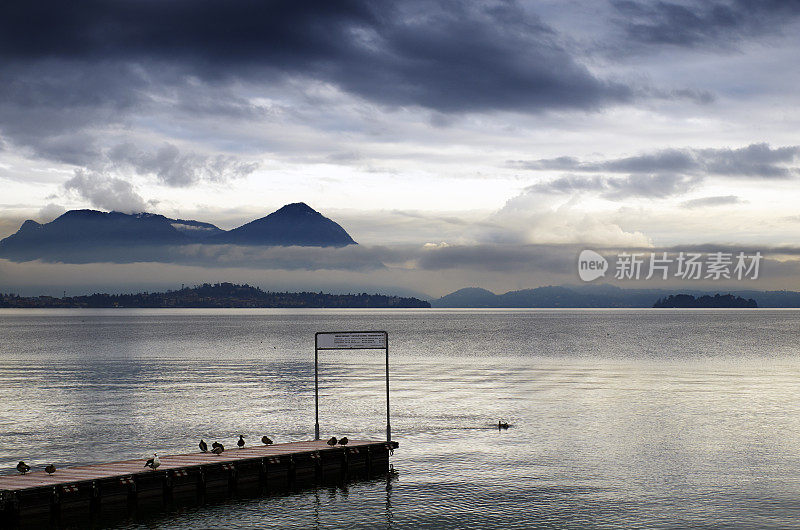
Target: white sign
(351, 340)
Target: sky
(465, 143)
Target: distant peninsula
(718, 301)
(218, 295)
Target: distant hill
(596, 296)
(468, 297)
(81, 236)
(217, 295)
(706, 301)
(551, 296)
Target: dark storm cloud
(451, 55)
(701, 22)
(54, 107)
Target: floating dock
(119, 487)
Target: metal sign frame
(317, 348)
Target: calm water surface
(634, 418)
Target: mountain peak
(296, 208)
(293, 224)
(80, 214)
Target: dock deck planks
(69, 475)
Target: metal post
(316, 390)
(327, 345)
(388, 423)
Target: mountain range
(595, 296)
(91, 235)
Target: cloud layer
(450, 55)
(436, 271)
(696, 23)
(666, 172)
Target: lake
(634, 418)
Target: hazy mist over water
(619, 417)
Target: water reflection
(618, 418)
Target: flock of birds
(216, 448)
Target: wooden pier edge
(120, 486)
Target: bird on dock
(332, 441)
(50, 469)
(23, 468)
(343, 440)
(218, 448)
(153, 463)
(265, 440)
(502, 425)
(240, 443)
(215, 445)
(203, 446)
